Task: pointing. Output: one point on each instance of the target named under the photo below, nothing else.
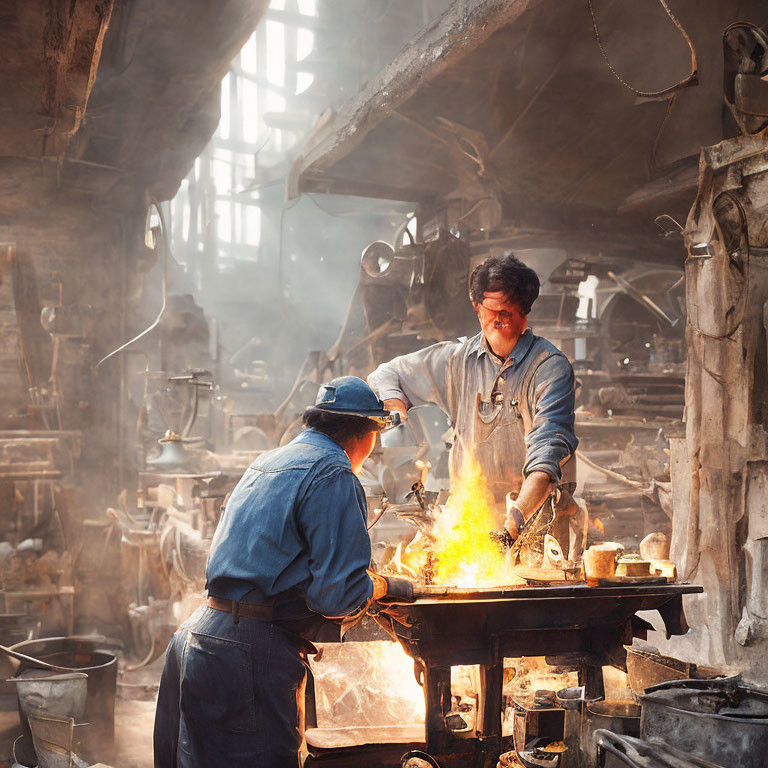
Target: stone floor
(133, 733)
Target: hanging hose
(160, 314)
(146, 660)
(688, 81)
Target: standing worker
(509, 393)
(288, 562)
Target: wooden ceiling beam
(74, 35)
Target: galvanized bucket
(46, 695)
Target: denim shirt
(294, 533)
(515, 416)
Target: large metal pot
(721, 721)
(80, 654)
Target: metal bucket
(717, 720)
(43, 695)
(97, 739)
(571, 698)
(614, 715)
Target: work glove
(399, 590)
(565, 504)
(513, 523)
(391, 589)
(379, 585)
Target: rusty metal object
(30, 661)
(648, 668)
(54, 740)
(535, 728)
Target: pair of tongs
(533, 531)
(535, 528)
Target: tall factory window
(217, 214)
(260, 265)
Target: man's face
(501, 320)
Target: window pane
(252, 234)
(308, 7)
(249, 105)
(223, 221)
(303, 81)
(276, 52)
(305, 42)
(222, 170)
(225, 107)
(275, 102)
(248, 55)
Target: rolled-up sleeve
(332, 518)
(551, 440)
(417, 378)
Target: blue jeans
(230, 694)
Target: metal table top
(465, 627)
(440, 594)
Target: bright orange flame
(409, 569)
(598, 523)
(465, 554)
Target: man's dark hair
(340, 427)
(507, 274)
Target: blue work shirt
(515, 416)
(294, 533)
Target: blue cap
(351, 396)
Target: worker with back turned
(288, 562)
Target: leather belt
(249, 610)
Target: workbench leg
(310, 701)
(437, 694)
(592, 680)
(491, 685)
